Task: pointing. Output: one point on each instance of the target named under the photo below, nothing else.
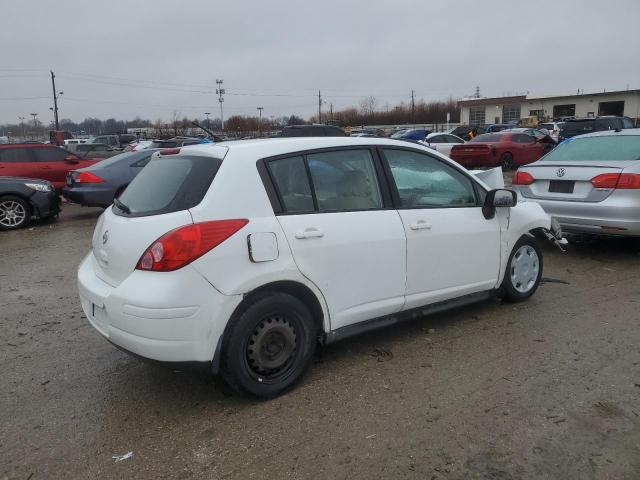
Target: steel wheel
(13, 213)
(524, 269)
(271, 348)
(506, 161)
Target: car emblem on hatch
(560, 172)
(105, 237)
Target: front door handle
(311, 232)
(420, 225)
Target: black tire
(513, 289)
(506, 161)
(269, 345)
(15, 212)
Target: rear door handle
(420, 225)
(311, 232)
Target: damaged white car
(245, 256)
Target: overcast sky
(126, 58)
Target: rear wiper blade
(121, 206)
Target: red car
(508, 149)
(37, 160)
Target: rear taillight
(183, 245)
(628, 181)
(88, 177)
(522, 178)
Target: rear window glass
(169, 184)
(292, 181)
(487, 138)
(16, 155)
(578, 127)
(606, 148)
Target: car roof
(610, 133)
(270, 147)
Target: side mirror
(500, 197)
(71, 159)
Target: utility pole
(220, 92)
(22, 125)
(319, 107)
(477, 95)
(260, 120)
(55, 100)
(413, 106)
(208, 123)
(35, 124)
(331, 111)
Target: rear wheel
(524, 271)
(269, 346)
(15, 212)
(506, 161)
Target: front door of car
(53, 164)
(452, 250)
(344, 234)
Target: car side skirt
(414, 313)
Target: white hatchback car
(247, 255)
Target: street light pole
(208, 123)
(260, 120)
(35, 124)
(22, 125)
(220, 92)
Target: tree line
(369, 112)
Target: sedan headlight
(39, 187)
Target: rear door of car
(452, 249)
(18, 162)
(344, 234)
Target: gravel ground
(549, 388)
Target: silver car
(590, 183)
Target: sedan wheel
(14, 213)
(506, 161)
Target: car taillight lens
(88, 177)
(183, 245)
(627, 181)
(522, 178)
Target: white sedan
(442, 142)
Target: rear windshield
(487, 138)
(578, 127)
(167, 184)
(606, 148)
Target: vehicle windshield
(486, 138)
(606, 148)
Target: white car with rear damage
(246, 256)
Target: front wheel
(269, 345)
(524, 271)
(15, 213)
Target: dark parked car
(99, 184)
(467, 132)
(94, 150)
(580, 126)
(412, 135)
(506, 149)
(499, 127)
(46, 162)
(126, 138)
(313, 131)
(22, 199)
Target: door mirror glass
(71, 159)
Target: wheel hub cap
(525, 267)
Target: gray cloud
(150, 58)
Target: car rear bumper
(480, 159)
(90, 196)
(164, 316)
(613, 216)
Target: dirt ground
(546, 389)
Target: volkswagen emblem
(105, 237)
(560, 172)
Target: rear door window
(16, 155)
(169, 184)
(344, 180)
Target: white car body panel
(367, 264)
